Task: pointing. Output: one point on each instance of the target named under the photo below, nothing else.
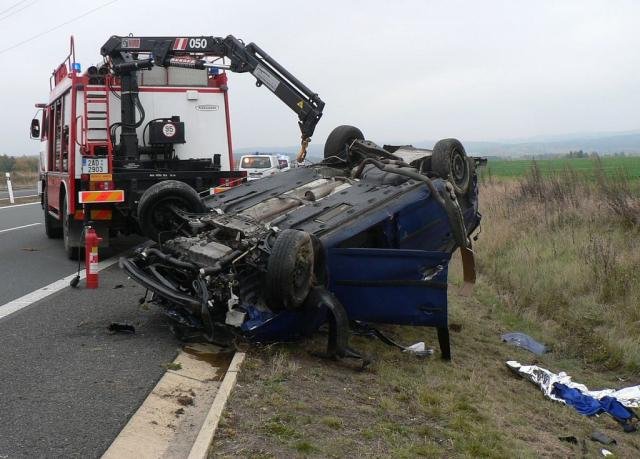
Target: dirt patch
(288, 403)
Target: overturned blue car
(363, 237)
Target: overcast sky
(402, 71)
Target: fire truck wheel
(339, 140)
(52, 227)
(72, 252)
(290, 270)
(155, 214)
(450, 161)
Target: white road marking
(19, 227)
(19, 205)
(30, 298)
(18, 197)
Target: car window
(256, 162)
(283, 164)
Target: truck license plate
(95, 165)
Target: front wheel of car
(290, 270)
(450, 161)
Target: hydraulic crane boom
(192, 52)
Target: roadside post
(10, 188)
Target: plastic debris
(560, 388)
(602, 438)
(418, 349)
(524, 341)
(629, 396)
(606, 452)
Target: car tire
(153, 215)
(450, 161)
(340, 139)
(52, 227)
(72, 252)
(290, 273)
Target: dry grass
(565, 252)
(20, 179)
(289, 403)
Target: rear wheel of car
(450, 161)
(72, 252)
(52, 227)
(155, 214)
(290, 270)
(340, 139)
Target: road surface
(68, 386)
(4, 195)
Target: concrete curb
(156, 430)
(200, 448)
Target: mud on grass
(289, 403)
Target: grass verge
(289, 403)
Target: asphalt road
(4, 195)
(67, 386)
(28, 259)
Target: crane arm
(192, 52)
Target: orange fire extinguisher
(91, 242)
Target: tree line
(19, 164)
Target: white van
(259, 166)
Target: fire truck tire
(290, 270)
(450, 161)
(52, 227)
(72, 252)
(154, 215)
(339, 139)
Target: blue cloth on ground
(587, 405)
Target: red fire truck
(129, 143)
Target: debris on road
(172, 366)
(115, 327)
(525, 342)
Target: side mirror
(35, 128)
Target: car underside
(363, 237)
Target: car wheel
(52, 227)
(339, 140)
(290, 270)
(72, 252)
(450, 161)
(155, 214)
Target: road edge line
(201, 446)
(20, 205)
(16, 305)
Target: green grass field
(514, 168)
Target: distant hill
(602, 143)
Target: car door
(388, 285)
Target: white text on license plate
(95, 165)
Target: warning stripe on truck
(88, 197)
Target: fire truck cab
(155, 110)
